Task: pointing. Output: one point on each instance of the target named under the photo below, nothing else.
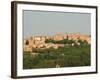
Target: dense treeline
(66, 41)
(67, 56)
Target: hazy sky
(49, 23)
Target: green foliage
(67, 56)
(83, 42)
(64, 41)
(67, 41)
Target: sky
(49, 23)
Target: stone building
(27, 46)
(58, 37)
(39, 41)
(86, 38)
(73, 36)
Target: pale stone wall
(39, 41)
(58, 37)
(27, 48)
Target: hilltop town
(45, 42)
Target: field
(67, 56)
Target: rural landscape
(59, 50)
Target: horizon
(55, 34)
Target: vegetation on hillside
(67, 56)
(66, 41)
